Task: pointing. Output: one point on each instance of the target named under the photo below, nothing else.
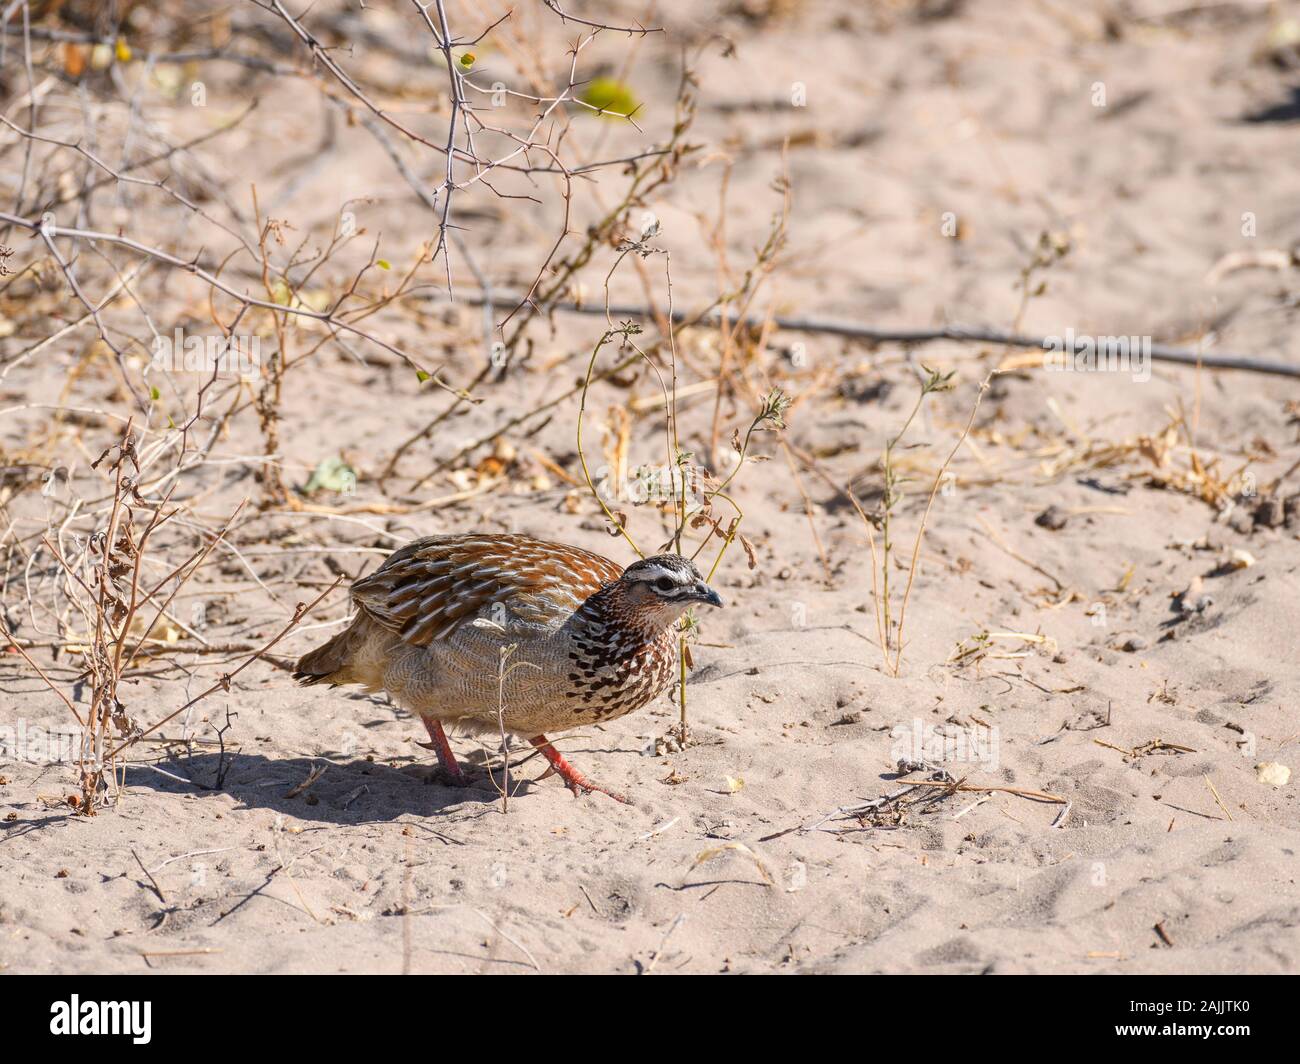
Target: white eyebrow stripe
(657, 572)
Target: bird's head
(665, 587)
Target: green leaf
(154, 393)
(332, 474)
(384, 264)
(611, 96)
(421, 376)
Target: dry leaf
(749, 551)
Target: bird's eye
(664, 583)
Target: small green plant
(889, 631)
(1051, 248)
(933, 381)
(696, 512)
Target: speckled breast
(607, 682)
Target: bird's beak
(703, 593)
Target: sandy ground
(1174, 859)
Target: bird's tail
(330, 663)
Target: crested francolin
(592, 640)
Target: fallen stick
(1037, 796)
(153, 882)
(1217, 798)
(205, 951)
(1151, 746)
(843, 810)
(1182, 356)
(973, 805)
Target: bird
(487, 632)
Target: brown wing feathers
(430, 587)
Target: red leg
(442, 748)
(578, 783)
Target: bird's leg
(442, 748)
(578, 783)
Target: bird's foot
(459, 778)
(578, 783)
(448, 768)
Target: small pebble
(1053, 518)
(1273, 773)
(1271, 512)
